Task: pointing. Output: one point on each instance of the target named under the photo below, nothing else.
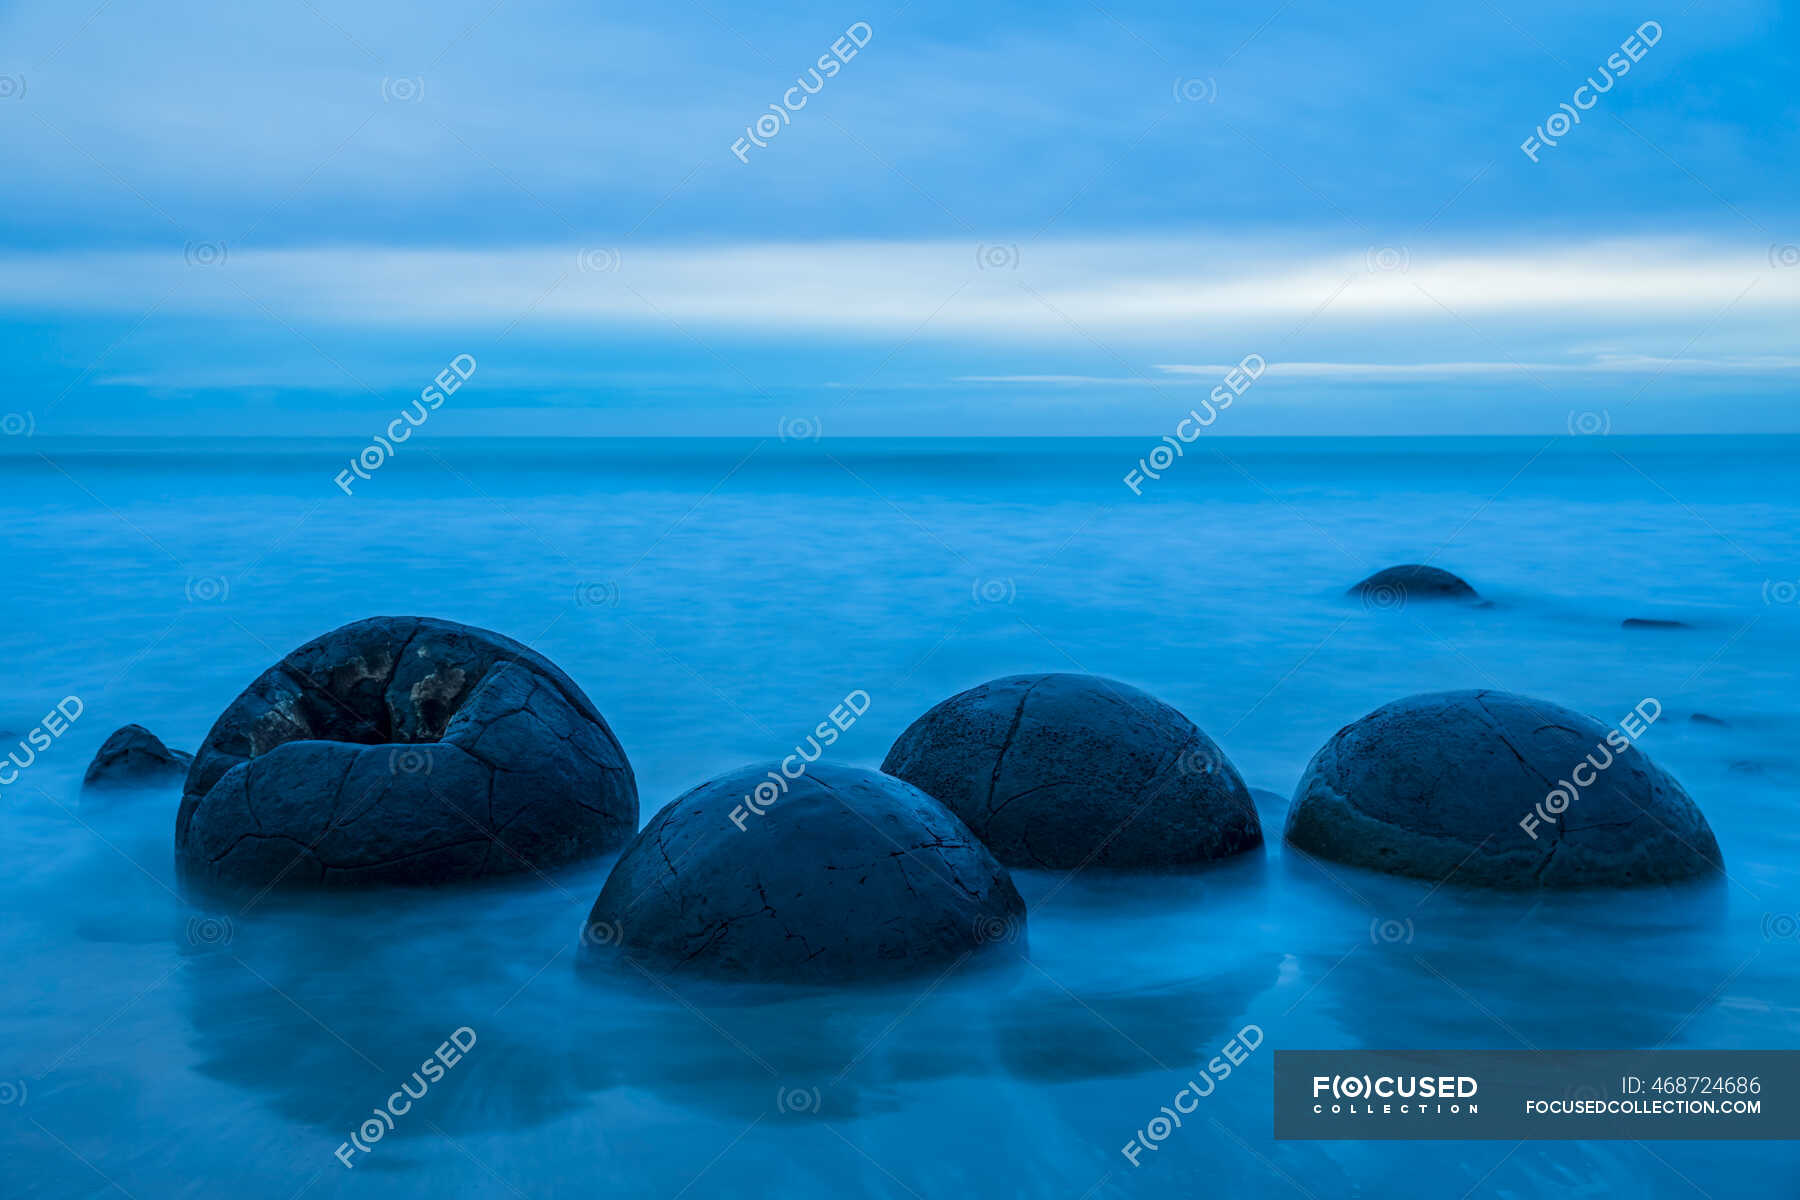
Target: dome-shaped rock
(404, 750)
(839, 874)
(1064, 771)
(1499, 790)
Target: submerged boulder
(404, 750)
(135, 757)
(1393, 586)
(1499, 790)
(847, 874)
(1067, 770)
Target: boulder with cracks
(846, 875)
(1498, 790)
(1064, 771)
(403, 750)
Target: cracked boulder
(135, 757)
(1393, 586)
(846, 875)
(1497, 790)
(1064, 771)
(403, 750)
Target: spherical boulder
(1394, 586)
(1498, 790)
(135, 757)
(1065, 771)
(403, 750)
(838, 874)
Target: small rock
(1394, 586)
(1652, 623)
(135, 757)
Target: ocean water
(717, 598)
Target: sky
(286, 218)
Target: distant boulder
(1652, 623)
(1394, 586)
(404, 750)
(1489, 788)
(845, 875)
(1065, 770)
(135, 757)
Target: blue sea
(716, 598)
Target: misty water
(718, 598)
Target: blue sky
(285, 218)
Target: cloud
(1100, 291)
